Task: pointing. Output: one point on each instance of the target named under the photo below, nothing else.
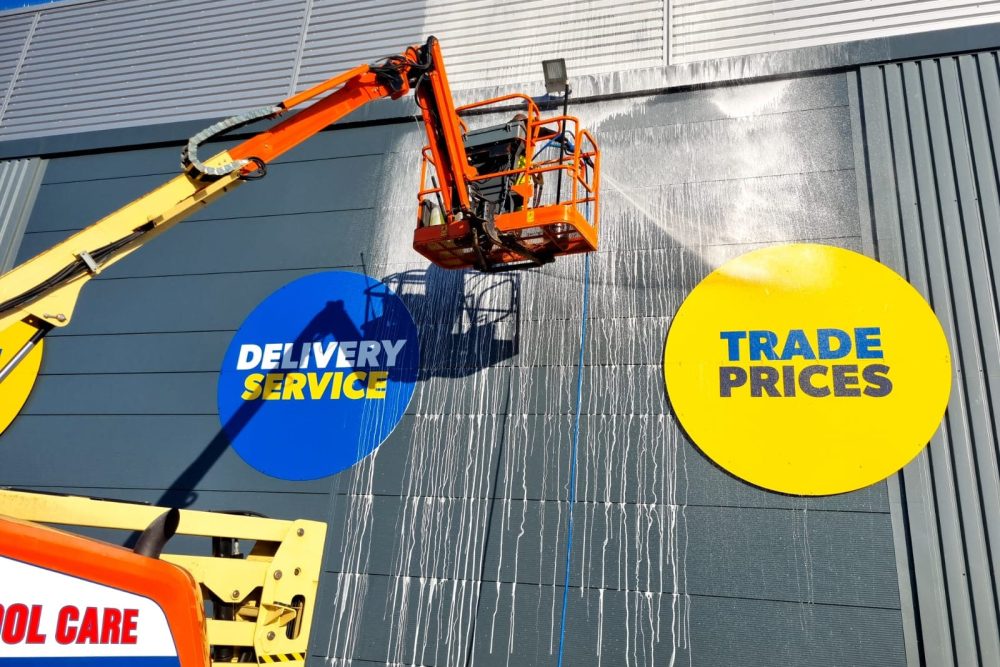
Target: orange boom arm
(489, 204)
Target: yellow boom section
(132, 225)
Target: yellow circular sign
(807, 369)
(14, 388)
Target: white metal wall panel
(709, 29)
(485, 40)
(119, 63)
(84, 65)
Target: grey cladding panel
(819, 557)
(124, 394)
(90, 201)
(298, 187)
(636, 458)
(931, 194)
(217, 302)
(463, 393)
(137, 451)
(420, 458)
(136, 353)
(774, 633)
(779, 208)
(814, 556)
(608, 390)
(386, 638)
(19, 184)
(645, 284)
(520, 625)
(647, 459)
(750, 98)
(307, 240)
(729, 148)
(624, 342)
(163, 161)
(335, 142)
(622, 459)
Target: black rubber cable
(69, 272)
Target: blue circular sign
(318, 375)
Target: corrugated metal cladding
(708, 29)
(19, 183)
(118, 63)
(502, 42)
(91, 65)
(932, 196)
(134, 62)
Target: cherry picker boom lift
(485, 203)
(486, 209)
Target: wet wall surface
(449, 546)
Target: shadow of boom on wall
(467, 320)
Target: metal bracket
(91, 263)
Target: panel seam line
(16, 74)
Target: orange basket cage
(557, 186)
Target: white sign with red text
(48, 617)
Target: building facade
(724, 126)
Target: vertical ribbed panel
(929, 139)
(122, 63)
(707, 29)
(501, 43)
(19, 183)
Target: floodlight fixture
(556, 80)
